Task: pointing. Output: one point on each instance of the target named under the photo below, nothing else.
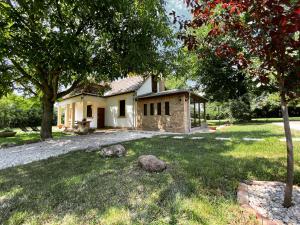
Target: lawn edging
(243, 200)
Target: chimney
(161, 85)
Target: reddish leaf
(232, 10)
(225, 5)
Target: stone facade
(177, 121)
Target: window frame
(123, 100)
(151, 109)
(91, 111)
(145, 109)
(167, 108)
(158, 106)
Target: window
(122, 107)
(167, 108)
(151, 109)
(89, 111)
(145, 109)
(159, 108)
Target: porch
(72, 110)
(197, 111)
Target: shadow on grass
(89, 189)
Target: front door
(100, 118)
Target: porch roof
(172, 92)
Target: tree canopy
(269, 31)
(51, 47)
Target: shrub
(240, 110)
(16, 111)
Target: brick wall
(177, 121)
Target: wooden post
(204, 111)
(199, 114)
(194, 117)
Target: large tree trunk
(47, 118)
(288, 193)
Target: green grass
(199, 186)
(28, 137)
(254, 120)
(272, 120)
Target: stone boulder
(8, 145)
(113, 151)
(151, 163)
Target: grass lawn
(28, 137)
(199, 186)
(254, 120)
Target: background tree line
(19, 111)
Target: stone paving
(24, 154)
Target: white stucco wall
(78, 111)
(146, 88)
(112, 118)
(96, 102)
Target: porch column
(195, 117)
(84, 106)
(204, 111)
(67, 110)
(73, 115)
(58, 116)
(199, 114)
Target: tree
(269, 31)
(51, 47)
(19, 111)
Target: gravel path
(24, 154)
(295, 125)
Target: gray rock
(8, 145)
(151, 163)
(113, 151)
(91, 148)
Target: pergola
(197, 110)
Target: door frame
(103, 118)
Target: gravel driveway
(295, 125)
(24, 154)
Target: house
(133, 103)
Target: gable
(146, 87)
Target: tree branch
(25, 74)
(61, 21)
(26, 88)
(75, 85)
(82, 25)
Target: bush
(240, 110)
(233, 110)
(17, 111)
(217, 110)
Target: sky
(179, 7)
